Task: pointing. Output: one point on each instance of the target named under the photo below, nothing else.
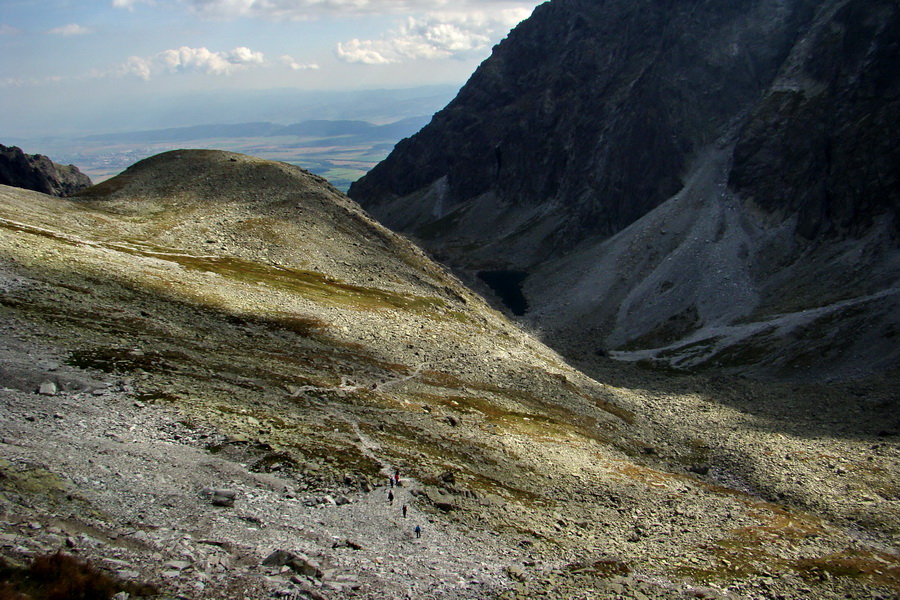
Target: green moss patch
(876, 568)
(32, 480)
(760, 549)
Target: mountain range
(688, 185)
(353, 131)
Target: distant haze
(339, 135)
(226, 106)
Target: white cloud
(197, 60)
(9, 29)
(437, 36)
(70, 29)
(356, 51)
(293, 64)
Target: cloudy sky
(63, 54)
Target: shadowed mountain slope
(212, 363)
(743, 154)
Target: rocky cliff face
(39, 173)
(822, 145)
(592, 116)
(591, 111)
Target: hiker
(404, 511)
(397, 477)
(391, 496)
(418, 531)
(391, 479)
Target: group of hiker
(394, 481)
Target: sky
(63, 59)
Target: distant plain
(338, 159)
(341, 159)
(339, 135)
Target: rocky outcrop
(39, 173)
(585, 150)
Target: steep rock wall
(824, 144)
(595, 108)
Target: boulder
(299, 563)
(48, 388)
(219, 497)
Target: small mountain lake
(508, 287)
